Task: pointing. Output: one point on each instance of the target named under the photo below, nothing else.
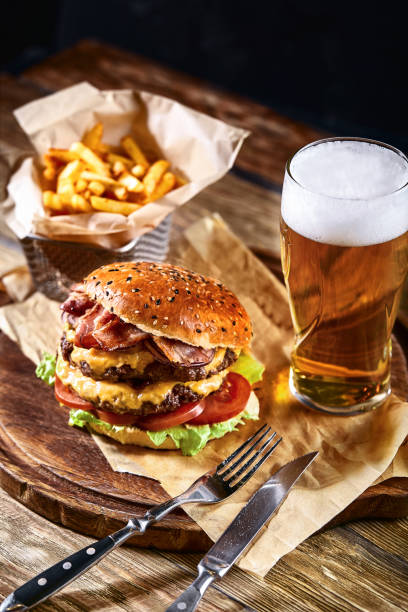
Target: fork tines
(252, 451)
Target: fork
(212, 487)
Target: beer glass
(344, 241)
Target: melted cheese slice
(123, 397)
(137, 358)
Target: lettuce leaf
(189, 438)
(249, 367)
(46, 368)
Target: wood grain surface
(59, 472)
(361, 566)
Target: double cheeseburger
(154, 355)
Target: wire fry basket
(54, 265)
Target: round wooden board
(59, 472)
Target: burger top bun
(166, 300)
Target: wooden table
(359, 566)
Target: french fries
(93, 176)
(108, 205)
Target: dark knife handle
(62, 573)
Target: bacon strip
(100, 329)
(78, 302)
(182, 354)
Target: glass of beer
(344, 239)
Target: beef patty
(154, 372)
(178, 395)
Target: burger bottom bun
(138, 437)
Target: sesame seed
(109, 282)
(176, 290)
(188, 291)
(146, 305)
(111, 308)
(171, 299)
(135, 290)
(107, 293)
(129, 278)
(158, 302)
(154, 316)
(94, 277)
(234, 322)
(97, 283)
(223, 329)
(155, 322)
(246, 329)
(198, 331)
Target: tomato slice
(227, 402)
(116, 419)
(69, 398)
(157, 422)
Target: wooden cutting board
(59, 472)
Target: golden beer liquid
(344, 301)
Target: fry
(118, 168)
(113, 206)
(94, 162)
(80, 204)
(120, 192)
(96, 187)
(134, 151)
(166, 184)
(154, 174)
(80, 185)
(139, 170)
(52, 200)
(131, 182)
(92, 138)
(67, 179)
(109, 182)
(51, 168)
(113, 157)
(62, 155)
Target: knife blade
(243, 529)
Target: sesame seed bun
(166, 300)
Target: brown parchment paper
(355, 452)
(200, 148)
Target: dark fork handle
(62, 573)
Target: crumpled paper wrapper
(15, 279)
(200, 148)
(355, 452)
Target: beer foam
(347, 193)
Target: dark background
(340, 66)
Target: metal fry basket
(54, 265)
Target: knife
(240, 533)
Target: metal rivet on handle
(67, 565)
(90, 551)
(181, 606)
(42, 581)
